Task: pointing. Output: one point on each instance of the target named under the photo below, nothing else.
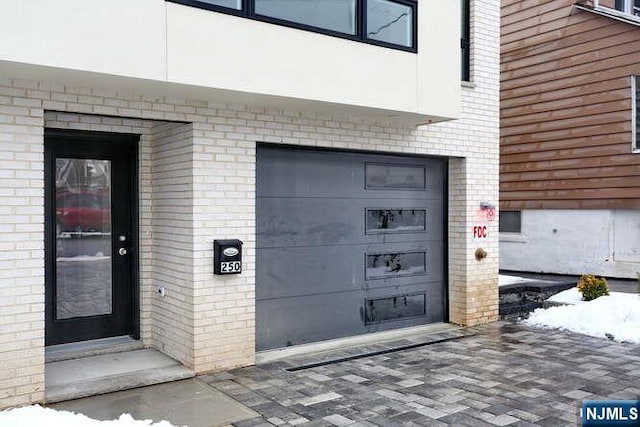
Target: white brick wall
(172, 241)
(21, 247)
(197, 184)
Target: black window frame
(465, 40)
(248, 11)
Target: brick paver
(500, 374)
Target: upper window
(635, 117)
(465, 40)
(333, 15)
(231, 4)
(389, 23)
(631, 7)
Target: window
(334, 15)
(465, 40)
(381, 176)
(394, 308)
(231, 4)
(381, 221)
(388, 23)
(510, 222)
(635, 114)
(385, 266)
(631, 7)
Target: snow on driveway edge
(616, 316)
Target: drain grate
(373, 353)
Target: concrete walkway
(183, 403)
(498, 374)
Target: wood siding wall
(566, 108)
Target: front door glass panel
(83, 238)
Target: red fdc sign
(480, 232)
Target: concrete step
(77, 350)
(106, 373)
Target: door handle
(122, 251)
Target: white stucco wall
(120, 37)
(602, 242)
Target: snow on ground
(570, 296)
(37, 416)
(504, 280)
(616, 316)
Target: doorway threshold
(77, 350)
(105, 373)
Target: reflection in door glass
(395, 308)
(390, 22)
(380, 266)
(395, 220)
(83, 237)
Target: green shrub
(592, 287)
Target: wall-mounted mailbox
(227, 256)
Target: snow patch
(505, 280)
(37, 416)
(570, 296)
(616, 316)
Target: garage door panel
(330, 174)
(287, 272)
(308, 270)
(328, 316)
(300, 320)
(307, 221)
(279, 171)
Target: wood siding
(566, 128)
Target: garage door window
(383, 266)
(387, 221)
(394, 177)
(393, 308)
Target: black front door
(90, 229)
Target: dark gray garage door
(347, 243)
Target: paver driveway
(497, 374)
